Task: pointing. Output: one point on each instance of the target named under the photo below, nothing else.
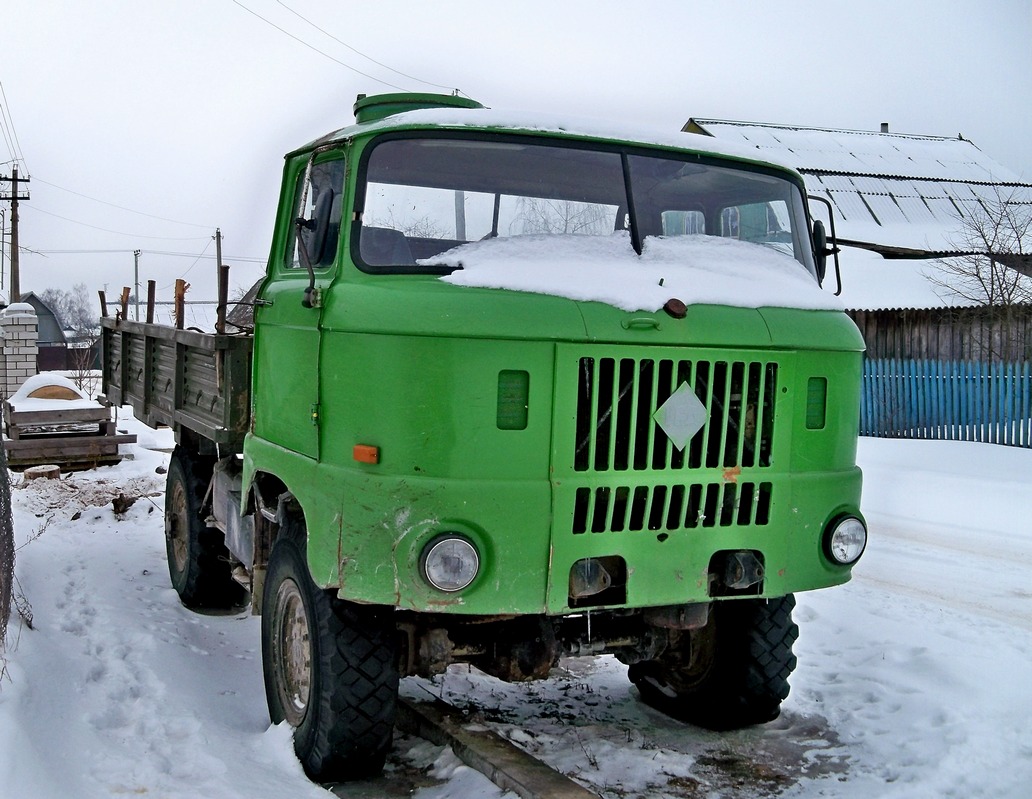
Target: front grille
(618, 397)
(661, 508)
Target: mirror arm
(308, 300)
(834, 249)
(311, 295)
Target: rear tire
(198, 561)
(732, 673)
(330, 669)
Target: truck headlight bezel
(845, 540)
(450, 562)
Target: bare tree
(535, 215)
(995, 234)
(74, 309)
(75, 312)
(81, 368)
(992, 268)
(425, 227)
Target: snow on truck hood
(694, 269)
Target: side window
(320, 191)
(684, 223)
(761, 223)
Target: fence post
(958, 400)
(964, 387)
(1026, 404)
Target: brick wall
(19, 328)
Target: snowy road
(913, 680)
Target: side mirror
(820, 249)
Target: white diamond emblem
(681, 416)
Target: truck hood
(427, 306)
(597, 289)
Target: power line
(316, 49)
(8, 123)
(358, 52)
(116, 232)
(7, 138)
(120, 207)
(240, 258)
(190, 267)
(78, 252)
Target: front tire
(330, 669)
(732, 673)
(198, 561)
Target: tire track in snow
(1015, 618)
(909, 558)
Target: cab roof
(397, 112)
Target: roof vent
(371, 109)
(884, 127)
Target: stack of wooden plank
(55, 424)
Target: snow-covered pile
(23, 400)
(693, 269)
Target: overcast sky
(179, 112)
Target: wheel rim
(177, 530)
(293, 659)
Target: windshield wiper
(446, 269)
(636, 242)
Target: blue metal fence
(951, 400)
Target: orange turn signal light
(364, 453)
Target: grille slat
(617, 399)
(616, 434)
(667, 508)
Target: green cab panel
(702, 326)
(285, 398)
(430, 405)
(425, 306)
(584, 472)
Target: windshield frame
(626, 151)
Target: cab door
(288, 314)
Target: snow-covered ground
(914, 680)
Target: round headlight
(846, 540)
(450, 563)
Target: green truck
(516, 389)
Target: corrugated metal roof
(865, 152)
(894, 190)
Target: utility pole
(14, 180)
(136, 281)
(460, 215)
(3, 238)
(223, 288)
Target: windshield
(428, 195)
